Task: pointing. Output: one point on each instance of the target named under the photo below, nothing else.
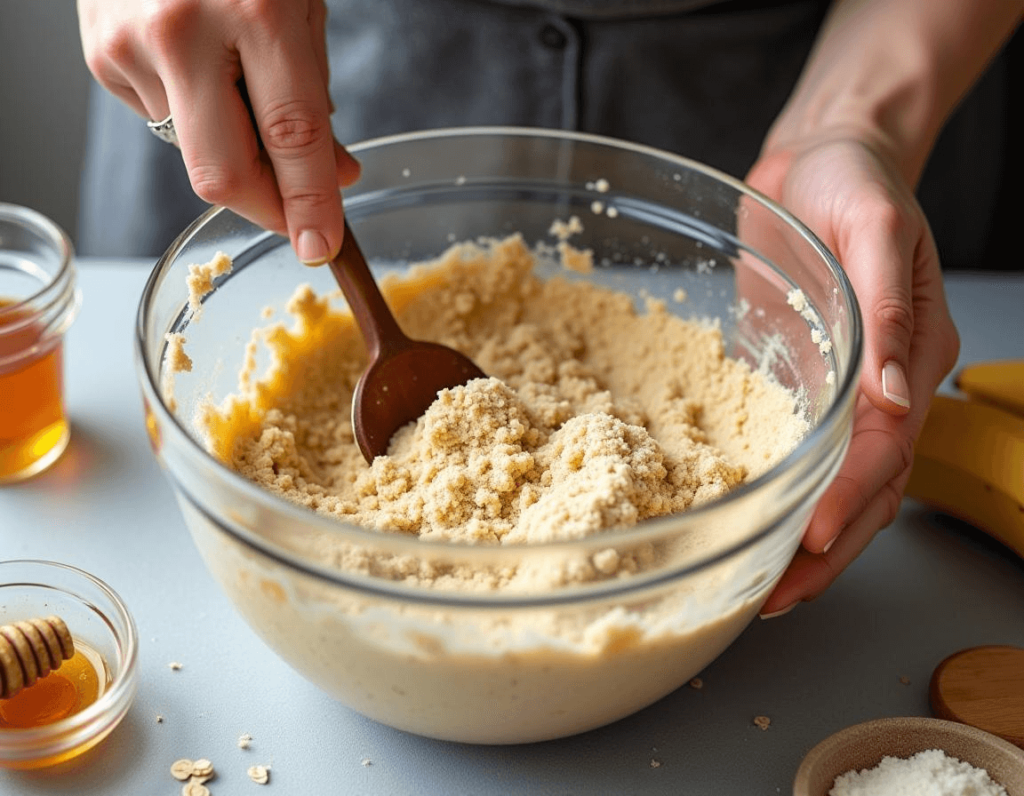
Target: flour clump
(928, 773)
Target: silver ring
(164, 130)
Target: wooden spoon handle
(379, 328)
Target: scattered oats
(259, 774)
(679, 295)
(762, 721)
(611, 212)
(181, 769)
(816, 336)
(202, 768)
(174, 665)
(596, 207)
(244, 741)
(697, 683)
(655, 763)
(193, 788)
(366, 762)
(830, 378)
(905, 680)
(825, 346)
(602, 186)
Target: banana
(969, 462)
(1000, 383)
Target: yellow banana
(969, 462)
(1000, 382)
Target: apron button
(552, 37)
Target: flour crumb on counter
(655, 763)
(762, 722)
(244, 741)
(259, 774)
(174, 666)
(366, 762)
(696, 684)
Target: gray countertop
(926, 587)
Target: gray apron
(700, 78)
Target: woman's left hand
(853, 198)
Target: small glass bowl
(96, 617)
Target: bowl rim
(842, 403)
(858, 734)
(19, 745)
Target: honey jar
(38, 302)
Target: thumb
(880, 263)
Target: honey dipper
(30, 650)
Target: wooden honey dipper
(30, 650)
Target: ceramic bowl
(863, 746)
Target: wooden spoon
(403, 376)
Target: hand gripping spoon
(403, 376)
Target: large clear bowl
(499, 667)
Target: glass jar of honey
(38, 302)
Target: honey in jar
(38, 301)
(33, 425)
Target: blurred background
(44, 90)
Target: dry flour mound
(928, 773)
(598, 415)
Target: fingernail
(780, 612)
(894, 384)
(828, 544)
(311, 247)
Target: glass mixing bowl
(509, 667)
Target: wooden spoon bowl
(403, 376)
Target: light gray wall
(44, 86)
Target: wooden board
(983, 687)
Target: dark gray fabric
(705, 83)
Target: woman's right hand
(186, 58)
